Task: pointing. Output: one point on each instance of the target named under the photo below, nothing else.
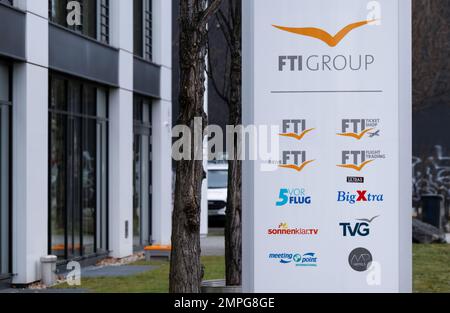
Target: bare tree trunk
(185, 265)
(233, 227)
(229, 18)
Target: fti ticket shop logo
(359, 129)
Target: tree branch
(209, 11)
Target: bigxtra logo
(284, 230)
(295, 129)
(293, 197)
(360, 128)
(295, 160)
(360, 196)
(299, 260)
(359, 160)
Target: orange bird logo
(322, 35)
(297, 136)
(355, 135)
(356, 167)
(295, 167)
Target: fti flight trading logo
(360, 128)
(359, 160)
(323, 35)
(295, 160)
(295, 129)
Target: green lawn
(155, 281)
(431, 268)
(431, 274)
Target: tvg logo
(295, 129)
(355, 160)
(294, 160)
(361, 228)
(293, 197)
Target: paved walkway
(213, 246)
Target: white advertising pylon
(330, 210)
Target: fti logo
(359, 229)
(306, 260)
(323, 35)
(295, 160)
(295, 129)
(293, 197)
(358, 160)
(360, 196)
(360, 128)
(284, 229)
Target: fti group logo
(360, 128)
(295, 129)
(306, 260)
(362, 196)
(359, 229)
(284, 230)
(293, 197)
(358, 160)
(295, 160)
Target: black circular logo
(360, 259)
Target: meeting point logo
(359, 160)
(309, 259)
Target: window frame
(9, 105)
(101, 37)
(67, 114)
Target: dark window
(93, 17)
(5, 169)
(142, 196)
(10, 2)
(143, 31)
(78, 168)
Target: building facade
(85, 130)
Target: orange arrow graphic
(355, 167)
(356, 136)
(295, 167)
(322, 35)
(298, 137)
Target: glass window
(78, 168)
(217, 179)
(142, 197)
(143, 29)
(93, 17)
(5, 169)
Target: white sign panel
(332, 211)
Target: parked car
(217, 193)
